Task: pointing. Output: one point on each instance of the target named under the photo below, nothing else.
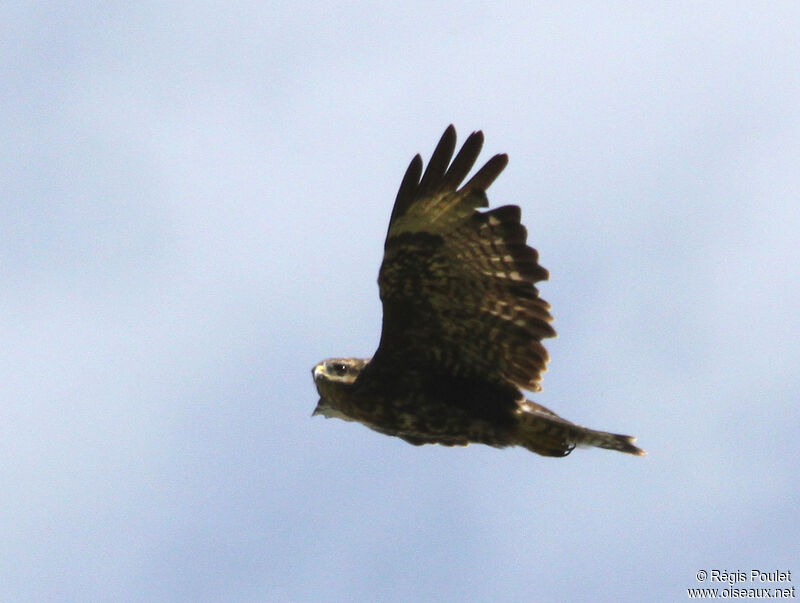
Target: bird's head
(333, 378)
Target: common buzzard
(462, 322)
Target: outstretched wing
(457, 284)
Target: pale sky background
(194, 200)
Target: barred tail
(542, 431)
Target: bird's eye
(339, 369)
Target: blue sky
(193, 203)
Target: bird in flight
(462, 322)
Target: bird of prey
(462, 322)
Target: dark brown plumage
(462, 322)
